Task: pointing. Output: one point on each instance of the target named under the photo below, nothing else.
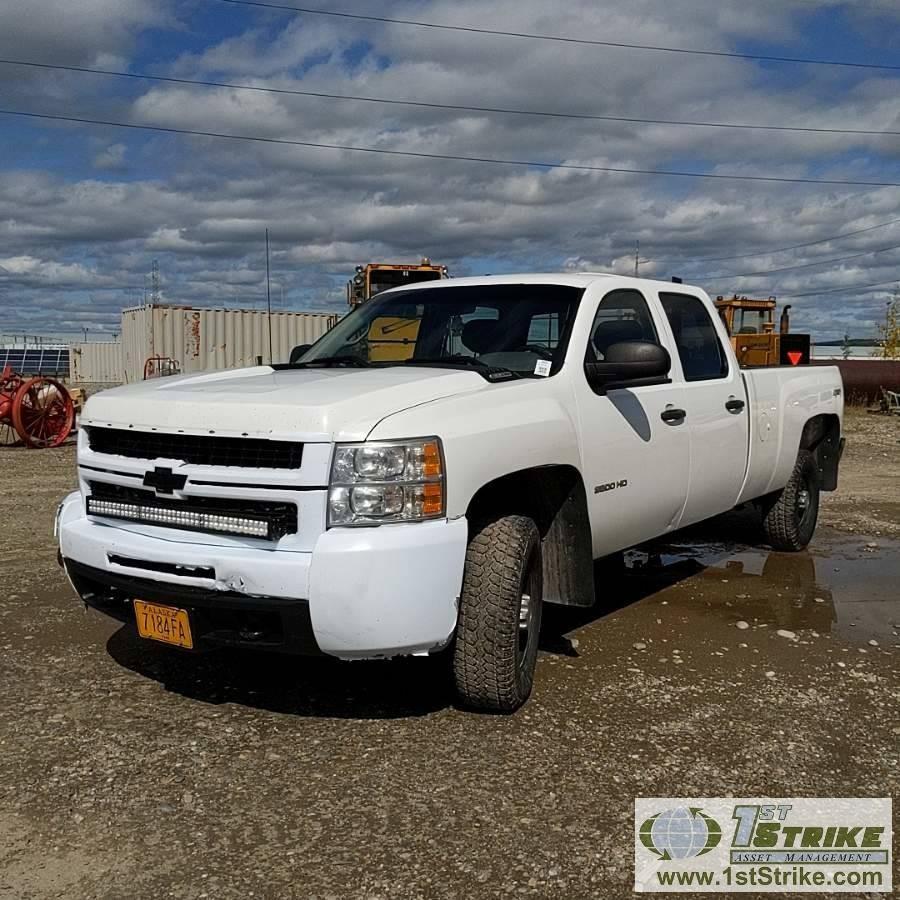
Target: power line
(416, 154)
(827, 240)
(421, 104)
(840, 290)
(821, 262)
(564, 39)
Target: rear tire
(496, 645)
(789, 518)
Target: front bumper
(218, 618)
(360, 593)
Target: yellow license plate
(163, 623)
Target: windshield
(521, 328)
(751, 321)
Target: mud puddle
(845, 585)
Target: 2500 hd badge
(611, 486)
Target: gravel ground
(869, 497)
(127, 770)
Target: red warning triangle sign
(795, 356)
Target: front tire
(496, 645)
(789, 520)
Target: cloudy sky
(84, 209)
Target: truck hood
(337, 404)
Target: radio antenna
(268, 297)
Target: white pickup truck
(441, 463)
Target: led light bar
(192, 520)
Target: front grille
(211, 515)
(251, 453)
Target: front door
(716, 405)
(635, 463)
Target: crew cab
(444, 461)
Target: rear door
(716, 405)
(635, 463)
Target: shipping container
(200, 340)
(98, 362)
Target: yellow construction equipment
(374, 278)
(751, 325)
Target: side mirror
(298, 351)
(629, 364)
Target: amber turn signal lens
(432, 466)
(432, 499)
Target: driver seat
(615, 332)
(480, 335)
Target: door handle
(734, 405)
(673, 416)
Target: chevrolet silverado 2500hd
(441, 463)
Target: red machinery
(37, 412)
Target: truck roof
(572, 279)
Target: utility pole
(268, 297)
(638, 262)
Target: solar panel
(36, 362)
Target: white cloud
(112, 158)
(29, 270)
(60, 30)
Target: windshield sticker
(542, 367)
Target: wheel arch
(554, 497)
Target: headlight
(397, 481)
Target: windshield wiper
(455, 359)
(489, 372)
(346, 359)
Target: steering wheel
(542, 352)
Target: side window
(701, 352)
(622, 316)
